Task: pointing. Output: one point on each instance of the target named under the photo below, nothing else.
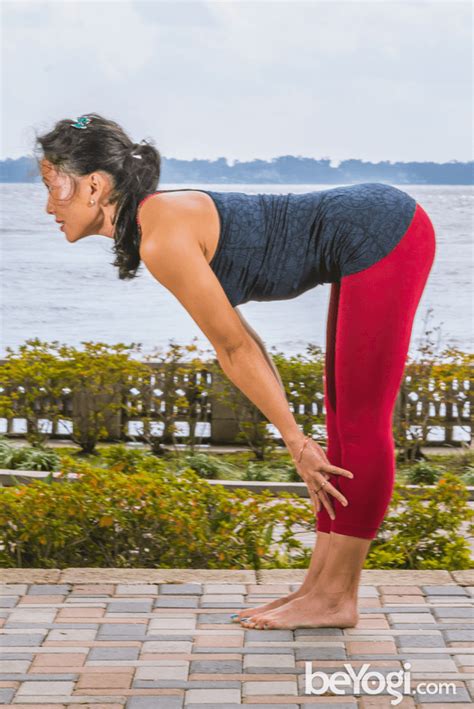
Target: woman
(216, 250)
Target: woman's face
(73, 208)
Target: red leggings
(369, 326)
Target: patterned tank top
(276, 246)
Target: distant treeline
(286, 169)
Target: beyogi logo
(395, 683)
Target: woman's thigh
(376, 310)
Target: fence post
(82, 405)
(224, 427)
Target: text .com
(366, 681)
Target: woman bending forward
(372, 242)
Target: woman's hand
(314, 468)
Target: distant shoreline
(283, 170)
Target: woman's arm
(261, 344)
(174, 257)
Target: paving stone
(394, 599)
(70, 634)
(58, 660)
(107, 589)
(454, 612)
(442, 697)
(444, 590)
(320, 653)
(11, 666)
(6, 695)
(216, 618)
(368, 592)
(379, 702)
(401, 590)
(178, 672)
(274, 636)
(44, 627)
(216, 696)
(169, 636)
(214, 662)
(32, 615)
(39, 676)
(307, 632)
(249, 706)
(262, 650)
(13, 589)
(8, 601)
(16, 656)
(221, 598)
(402, 608)
(46, 589)
(386, 647)
(124, 630)
(218, 641)
(177, 602)
(155, 702)
(420, 640)
(165, 646)
(216, 667)
(130, 607)
(174, 623)
(186, 589)
(34, 688)
(33, 639)
(114, 653)
(78, 613)
(424, 618)
(26, 703)
(276, 589)
(433, 665)
(106, 680)
(454, 635)
(286, 688)
(137, 589)
(194, 684)
(276, 662)
(224, 588)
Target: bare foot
(308, 611)
(271, 605)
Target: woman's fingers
(328, 488)
(327, 503)
(316, 502)
(334, 470)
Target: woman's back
(276, 246)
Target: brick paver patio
(163, 639)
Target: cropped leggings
(369, 327)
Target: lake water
(55, 290)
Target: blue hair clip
(81, 122)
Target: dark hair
(103, 145)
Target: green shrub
(26, 458)
(210, 467)
(424, 531)
(149, 518)
(468, 476)
(255, 472)
(424, 474)
(119, 458)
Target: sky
(370, 80)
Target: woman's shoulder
(190, 209)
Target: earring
(91, 202)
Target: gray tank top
(276, 246)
